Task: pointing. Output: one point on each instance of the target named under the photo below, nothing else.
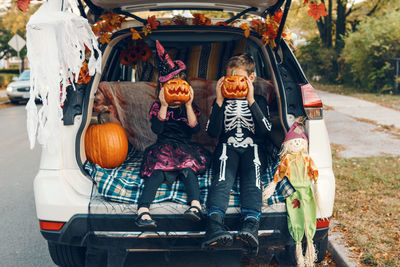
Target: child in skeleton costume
(242, 125)
(300, 169)
(173, 156)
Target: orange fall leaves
(315, 10)
(268, 29)
(104, 28)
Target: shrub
(5, 79)
(317, 60)
(370, 49)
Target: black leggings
(151, 184)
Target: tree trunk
(340, 24)
(324, 25)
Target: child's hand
(250, 94)
(162, 98)
(220, 98)
(190, 101)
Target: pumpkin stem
(100, 118)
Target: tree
(343, 17)
(13, 21)
(369, 50)
(339, 16)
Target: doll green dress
(300, 169)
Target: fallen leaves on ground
(8, 105)
(367, 207)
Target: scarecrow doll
(301, 206)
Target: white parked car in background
(18, 90)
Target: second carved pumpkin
(235, 86)
(176, 90)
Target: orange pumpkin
(235, 86)
(106, 144)
(176, 90)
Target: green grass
(387, 100)
(367, 207)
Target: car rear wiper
(240, 14)
(128, 14)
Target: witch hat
(167, 69)
(296, 131)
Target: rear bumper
(173, 233)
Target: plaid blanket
(123, 183)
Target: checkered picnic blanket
(123, 184)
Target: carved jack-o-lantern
(176, 90)
(234, 86)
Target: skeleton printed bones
(241, 130)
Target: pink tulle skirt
(174, 157)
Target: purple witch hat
(167, 68)
(296, 131)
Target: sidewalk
(362, 128)
(361, 109)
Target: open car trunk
(125, 95)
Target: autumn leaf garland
(267, 29)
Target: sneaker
(216, 233)
(249, 232)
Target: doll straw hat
(296, 131)
(167, 68)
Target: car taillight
(51, 226)
(311, 102)
(322, 223)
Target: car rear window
(205, 60)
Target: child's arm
(191, 115)
(216, 120)
(158, 114)
(259, 111)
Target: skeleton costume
(241, 130)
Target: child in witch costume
(242, 125)
(173, 156)
(300, 169)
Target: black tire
(15, 102)
(67, 256)
(321, 247)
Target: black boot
(216, 233)
(249, 232)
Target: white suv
(75, 210)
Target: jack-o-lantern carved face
(235, 86)
(176, 91)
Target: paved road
(363, 128)
(21, 243)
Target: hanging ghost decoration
(56, 41)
